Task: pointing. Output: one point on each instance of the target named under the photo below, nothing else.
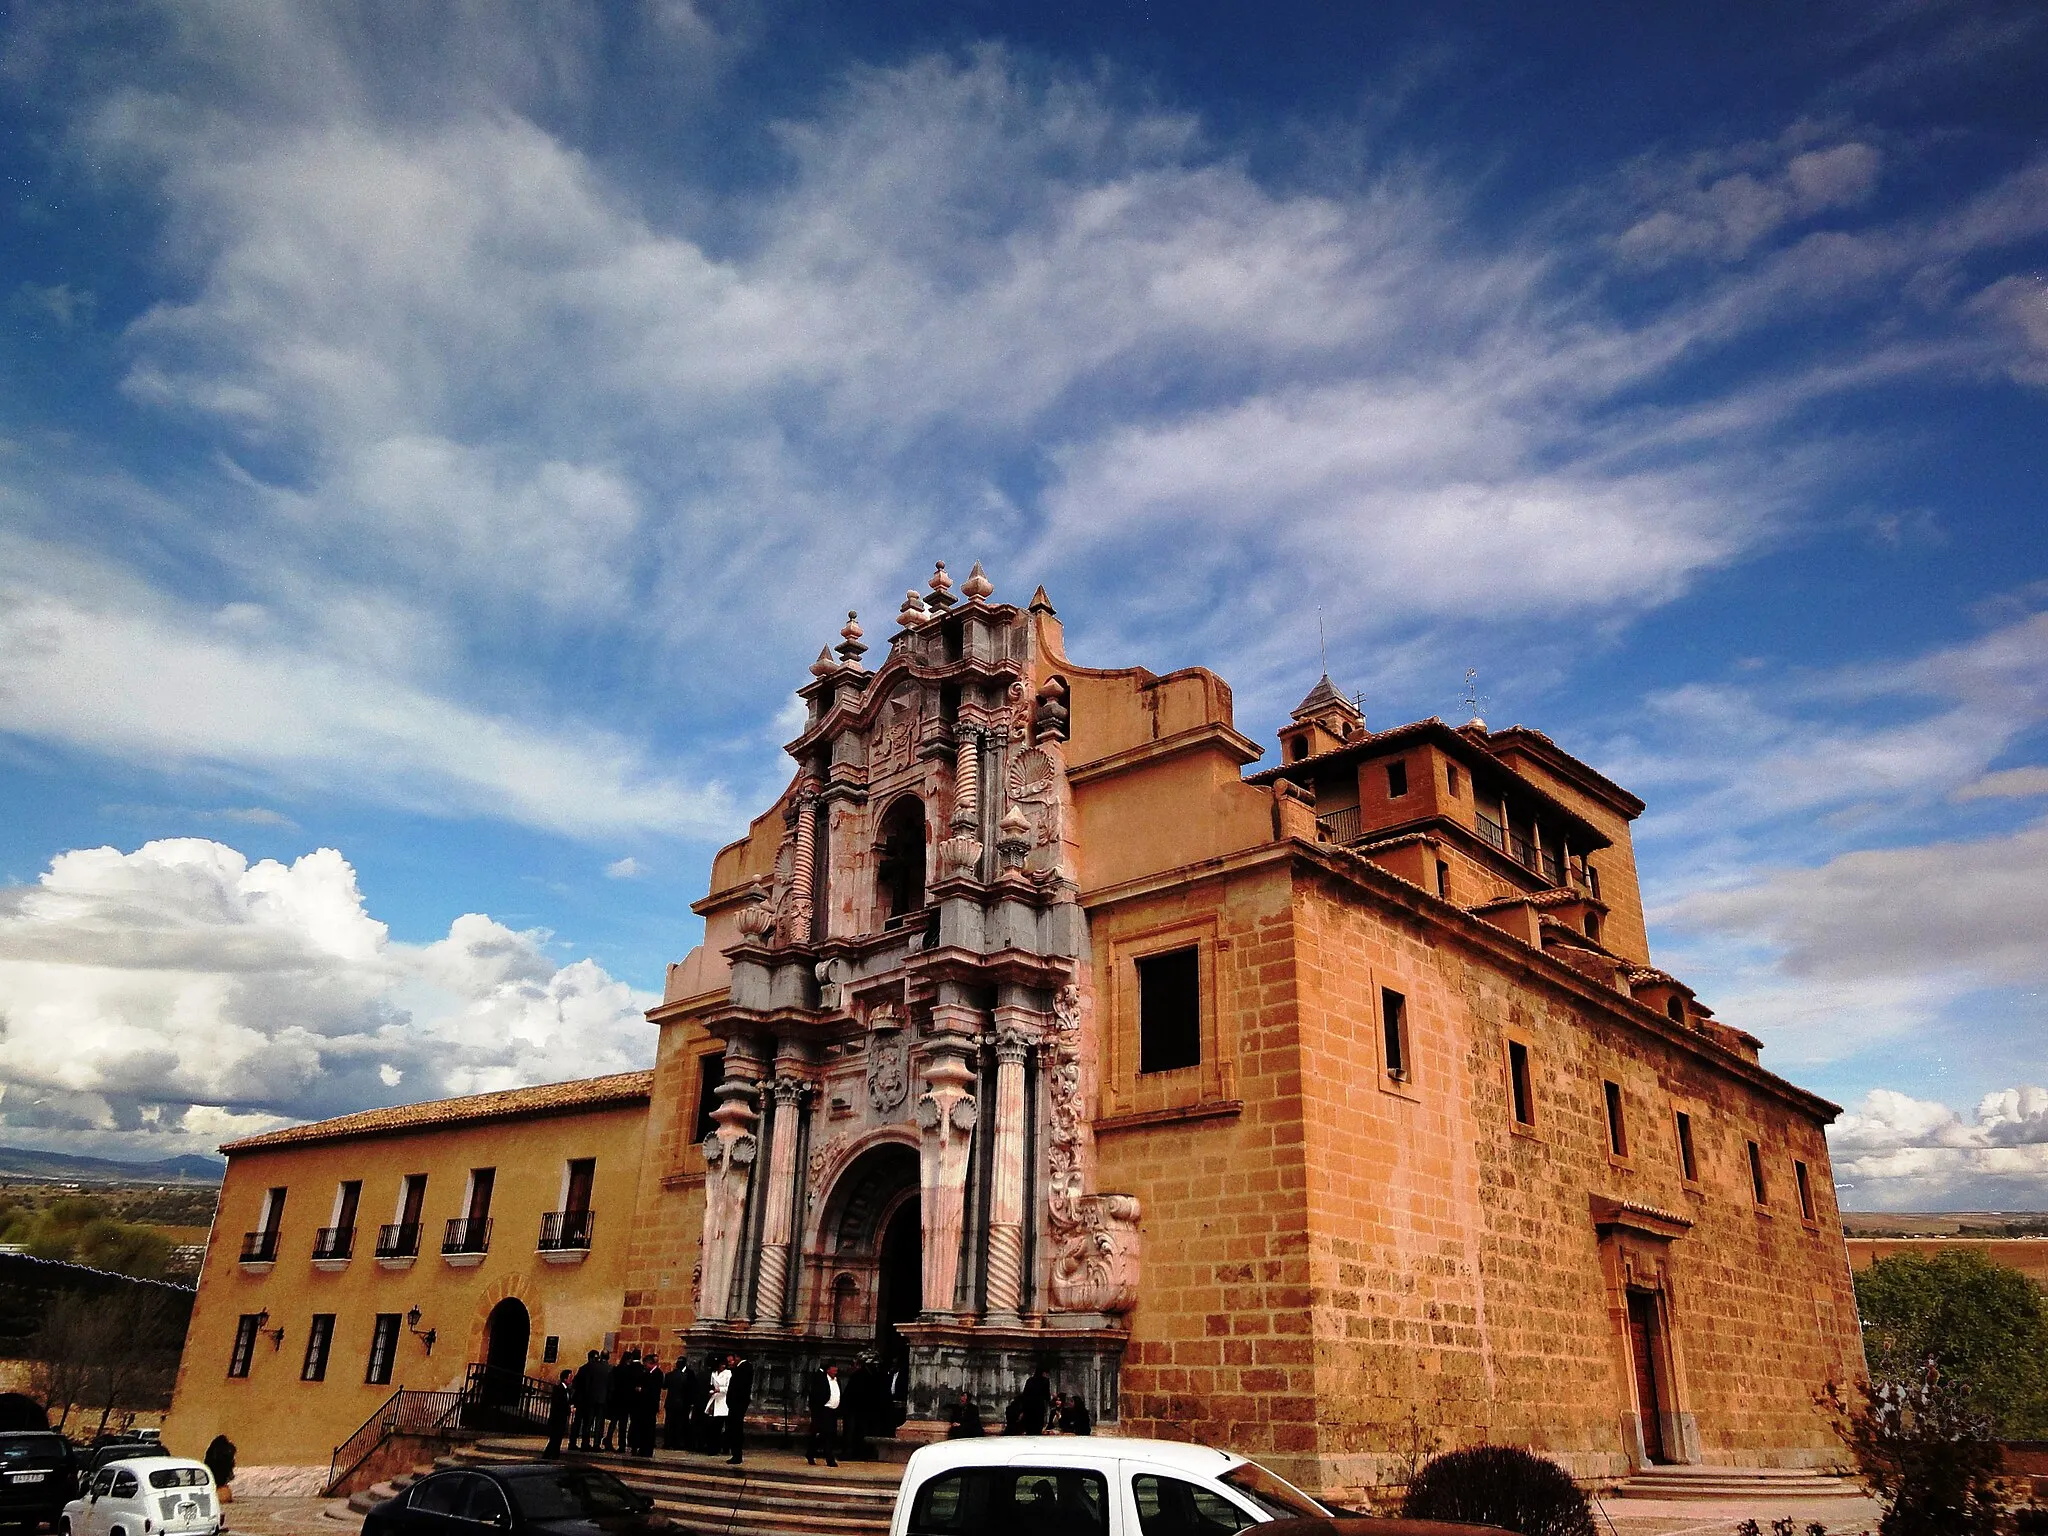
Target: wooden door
(1643, 1345)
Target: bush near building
(1499, 1485)
(1984, 1325)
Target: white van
(1073, 1485)
(146, 1496)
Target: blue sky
(442, 436)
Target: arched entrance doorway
(506, 1335)
(872, 1243)
(899, 1288)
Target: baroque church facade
(1304, 1112)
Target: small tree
(1498, 1485)
(1925, 1452)
(1985, 1324)
(115, 1353)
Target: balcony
(1493, 832)
(1521, 850)
(466, 1241)
(398, 1240)
(334, 1245)
(260, 1247)
(1338, 826)
(565, 1236)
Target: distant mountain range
(22, 1163)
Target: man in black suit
(593, 1384)
(736, 1396)
(826, 1406)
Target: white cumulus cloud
(152, 1000)
(1895, 1152)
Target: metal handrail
(561, 1230)
(467, 1234)
(398, 1240)
(1493, 832)
(493, 1395)
(260, 1247)
(334, 1242)
(1338, 826)
(405, 1412)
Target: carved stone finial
(913, 612)
(942, 589)
(1014, 841)
(977, 587)
(1040, 603)
(851, 648)
(824, 665)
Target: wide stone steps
(1694, 1482)
(777, 1495)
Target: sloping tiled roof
(512, 1104)
(1321, 697)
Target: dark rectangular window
(1675, 1006)
(1397, 780)
(1686, 1165)
(1451, 776)
(1756, 1174)
(551, 1350)
(1170, 1011)
(319, 1339)
(582, 1173)
(1805, 1189)
(383, 1347)
(245, 1344)
(273, 1210)
(1394, 1031)
(710, 1073)
(1443, 880)
(481, 1182)
(1519, 1086)
(1617, 1127)
(347, 1203)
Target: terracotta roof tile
(511, 1104)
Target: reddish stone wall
(668, 1223)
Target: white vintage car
(148, 1496)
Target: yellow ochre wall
(275, 1418)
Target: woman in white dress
(716, 1410)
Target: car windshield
(178, 1477)
(36, 1450)
(578, 1494)
(1275, 1495)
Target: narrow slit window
(1170, 1011)
(710, 1073)
(1756, 1174)
(1519, 1087)
(319, 1339)
(1687, 1165)
(1617, 1124)
(1451, 777)
(1805, 1184)
(1675, 1006)
(1397, 780)
(1443, 880)
(1394, 1031)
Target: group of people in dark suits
(607, 1407)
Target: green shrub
(1497, 1485)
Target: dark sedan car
(516, 1496)
(38, 1476)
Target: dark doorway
(1645, 1344)
(900, 1294)
(506, 1337)
(900, 869)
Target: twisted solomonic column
(803, 863)
(778, 1216)
(1006, 1198)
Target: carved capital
(791, 1090)
(1013, 1044)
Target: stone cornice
(1193, 739)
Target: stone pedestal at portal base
(991, 1365)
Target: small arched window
(900, 870)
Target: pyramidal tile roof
(510, 1104)
(1321, 697)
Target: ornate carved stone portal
(903, 1162)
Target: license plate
(26, 1477)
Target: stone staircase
(774, 1494)
(1757, 1484)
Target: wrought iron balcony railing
(560, 1230)
(1493, 832)
(398, 1240)
(1338, 826)
(467, 1234)
(334, 1242)
(260, 1247)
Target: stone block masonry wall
(1221, 1350)
(1456, 1269)
(669, 1218)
